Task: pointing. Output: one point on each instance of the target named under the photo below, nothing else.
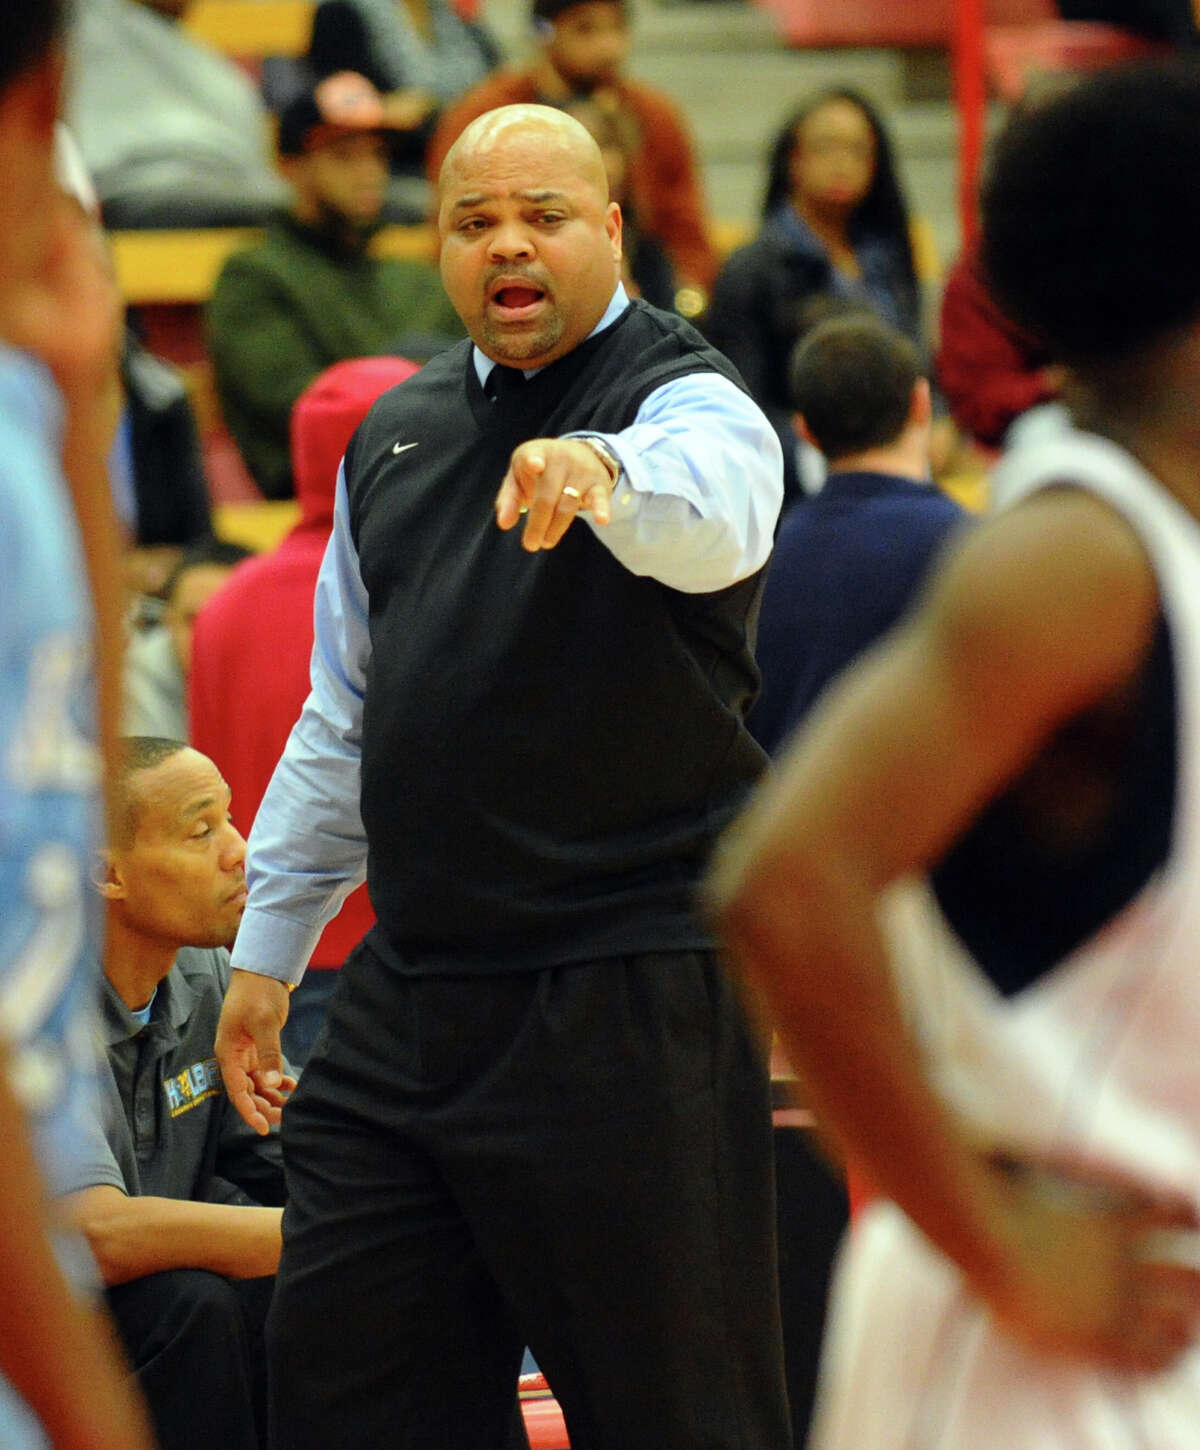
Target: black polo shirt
(168, 1129)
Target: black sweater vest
(550, 743)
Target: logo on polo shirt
(187, 1089)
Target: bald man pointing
(537, 1115)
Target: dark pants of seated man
(195, 1341)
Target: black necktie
(502, 382)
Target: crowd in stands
(824, 311)
(178, 136)
(380, 93)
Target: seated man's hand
(550, 480)
(256, 1007)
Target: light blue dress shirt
(695, 507)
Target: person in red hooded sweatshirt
(253, 639)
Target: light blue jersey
(49, 820)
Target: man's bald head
(531, 244)
(524, 125)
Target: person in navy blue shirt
(848, 561)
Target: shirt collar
(174, 1001)
(617, 304)
(865, 483)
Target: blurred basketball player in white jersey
(1017, 768)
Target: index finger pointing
(517, 490)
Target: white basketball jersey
(1099, 1059)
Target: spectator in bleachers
(180, 1201)
(847, 564)
(835, 225)
(158, 656)
(422, 54)
(174, 134)
(646, 268)
(582, 49)
(157, 469)
(990, 370)
(246, 687)
(311, 294)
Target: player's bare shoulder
(1054, 596)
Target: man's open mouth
(515, 299)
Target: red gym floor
(543, 1418)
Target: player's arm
(90, 385)
(691, 500)
(1035, 616)
(69, 317)
(132, 1237)
(58, 1354)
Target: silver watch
(606, 456)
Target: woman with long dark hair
(834, 236)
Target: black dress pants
(195, 1340)
(577, 1159)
